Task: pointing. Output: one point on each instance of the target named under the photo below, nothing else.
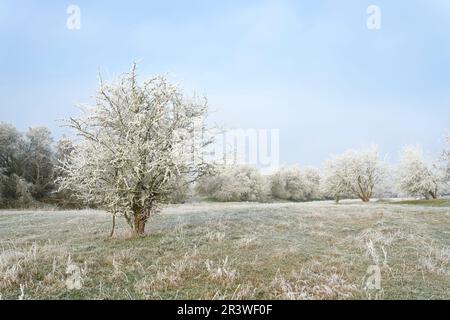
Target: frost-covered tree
(136, 141)
(446, 158)
(418, 175)
(295, 183)
(333, 186)
(181, 190)
(39, 161)
(388, 186)
(353, 173)
(14, 189)
(11, 150)
(64, 147)
(234, 183)
(64, 198)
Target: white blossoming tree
(354, 173)
(418, 175)
(136, 144)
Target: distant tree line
(355, 174)
(28, 167)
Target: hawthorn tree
(418, 175)
(353, 173)
(136, 143)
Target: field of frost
(316, 250)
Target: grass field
(315, 250)
(444, 202)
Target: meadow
(208, 250)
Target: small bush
(15, 192)
(297, 184)
(238, 183)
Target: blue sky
(311, 69)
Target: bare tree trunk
(140, 220)
(139, 228)
(365, 198)
(433, 194)
(113, 226)
(336, 199)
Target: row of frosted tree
(354, 174)
(30, 167)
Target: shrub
(418, 175)
(181, 191)
(15, 191)
(297, 184)
(237, 183)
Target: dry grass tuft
(213, 236)
(167, 278)
(312, 285)
(221, 272)
(436, 260)
(46, 269)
